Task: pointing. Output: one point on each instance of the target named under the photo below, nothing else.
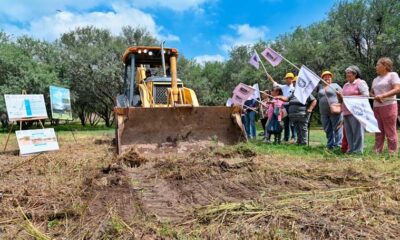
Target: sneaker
(266, 141)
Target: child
(275, 113)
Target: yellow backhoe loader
(156, 107)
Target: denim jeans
(333, 130)
(288, 127)
(250, 124)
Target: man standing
(288, 90)
(250, 118)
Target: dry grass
(85, 192)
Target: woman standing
(355, 86)
(331, 121)
(384, 89)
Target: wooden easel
(20, 127)
(21, 120)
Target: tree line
(88, 60)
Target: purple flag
(254, 60)
(238, 100)
(272, 57)
(241, 93)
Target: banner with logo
(361, 109)
(306, 82)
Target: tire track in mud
(156, 195)
(170, 189)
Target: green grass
(317, 149)
(63, 135)
(74, 126)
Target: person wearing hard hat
(288, 90)
(299, 115)
(295, 80)
(331, 118)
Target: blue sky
(200, 29)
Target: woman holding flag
(355, 86)
(384, 89)
(299, 114)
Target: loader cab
(159, 87)
(147, 76)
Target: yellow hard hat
(326, 73)
(289, 75)
(295, 78)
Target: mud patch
(132, 158)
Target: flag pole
(262, 64)
(288, 61)
(260, 92)
(299, 68)
(252, 109)
(266, 94)
(372, 98)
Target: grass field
(247, 191)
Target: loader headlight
(145, 51)
(150, 53)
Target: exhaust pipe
(163, 59)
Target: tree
(94, 69)
(20, 71)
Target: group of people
(281, 111)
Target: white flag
(256, 93)
(361, 109)
(306, 82)
(229, 102)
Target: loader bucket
(172, 124)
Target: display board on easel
(60, 102)
(24, 108)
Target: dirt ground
(84, 191)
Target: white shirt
(287, 90)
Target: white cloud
(50, 27)
(209, 58)
(26, 10)
(177, 5)
(244, 35)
